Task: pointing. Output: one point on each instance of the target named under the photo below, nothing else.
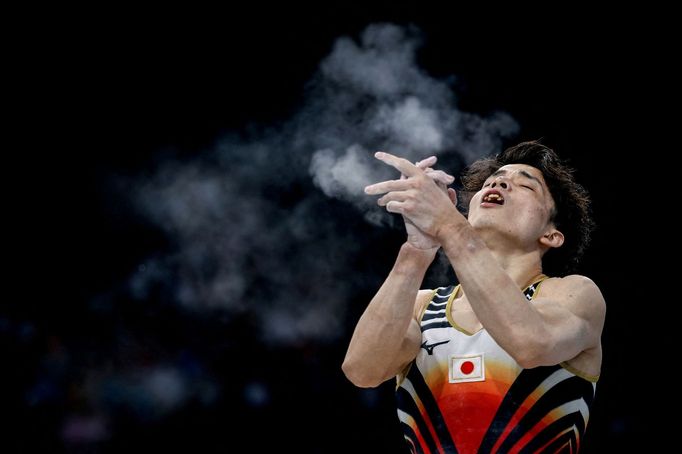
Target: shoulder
(573, 284)
(424, 297)
(577, 292)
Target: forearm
(379, 334)
(495, 297)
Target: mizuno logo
(429, 348)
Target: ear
(552, 238)
(453, 196)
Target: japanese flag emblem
(467, 368)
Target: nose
(499, 181)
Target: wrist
(411, 258)
(453, 233)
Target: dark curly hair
(571, 215)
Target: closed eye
(527, 187)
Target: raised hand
(419, 184)
(416, 237)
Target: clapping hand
(402, 193)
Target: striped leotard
(464, 394)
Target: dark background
(123, 89)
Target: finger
(398, 196)
(431, 169)
(423, 164)
(387, 186)
(427, 162)
(441, 176)
(453, 196)
(403, 165)
(395, 207)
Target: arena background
(195, 270)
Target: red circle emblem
(467, 367)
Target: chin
(483, 220)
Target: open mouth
(493, 197)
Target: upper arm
(573, 311)
(413, 336)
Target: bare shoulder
(578, 293)
(424, 297)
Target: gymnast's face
(514, 201)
